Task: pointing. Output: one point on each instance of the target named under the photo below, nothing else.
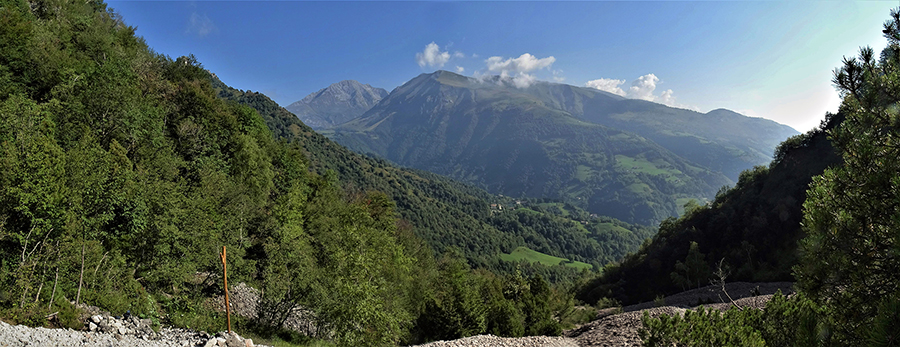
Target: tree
(850, 259)
(693, 269)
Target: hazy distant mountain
(521, 143)
(336, 104)
(720, 140)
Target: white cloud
(641, 88)
(525, 63)
(458, 54)
(666, 98)
(460, 69)
(200, 25)
(523, 80)
(432, 56)
(517, 70)
(607, 85)
(558, 77)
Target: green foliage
(851, 217)
(703, 327)
(567, 232)
(886, 330)
(451, 215)
(127, 164)
(694, 269)
(531, 256)
(130, 156)
(785, 321)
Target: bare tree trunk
(40, 287)
(55, 280)
(53, 293)
(80, 277)
(98, 268)
(29, 272)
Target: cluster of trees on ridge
(123, 173)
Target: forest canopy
(123, 173)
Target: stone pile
(111, 331)
(245, 301)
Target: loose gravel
(494, 341)
(20, 336)
(107, 331)
(609, 329)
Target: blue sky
(771, 59)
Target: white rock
(122, 330)
(92, 326)
(96, 318)
(211, 342)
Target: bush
(703, 327)
(784, 322)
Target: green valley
(531, 256)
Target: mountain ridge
(510, 142)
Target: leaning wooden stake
(80, 276)
(227, 305)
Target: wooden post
(80, 276)
(227, 304)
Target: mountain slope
(720, 140)
(446, 213)
(512, 143)
(336, 104)
(753, 228)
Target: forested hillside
(446, 213)
(752, 229)
(123, 174)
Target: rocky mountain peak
(336, 104)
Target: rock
(92, 326)
(211, 342)
(233, 340)
(248, 343)
(96, 318)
